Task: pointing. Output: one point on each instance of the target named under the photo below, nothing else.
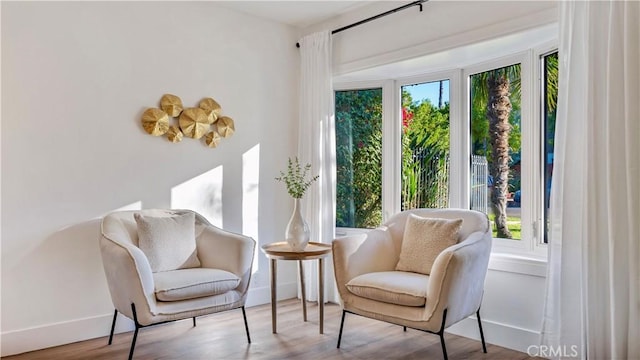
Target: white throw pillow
(169, 242)
(424, 239)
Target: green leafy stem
(296, 178)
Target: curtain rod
(406, 6)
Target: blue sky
(428, 91)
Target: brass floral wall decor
(212, 139)
(225, 126)
(211, 108)
(194, 122)
(171, 104)
(155, 122)
(205, 121)
(174, 134)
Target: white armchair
(451, 292)
(220, 283)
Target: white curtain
(592, 308)
(316, 146)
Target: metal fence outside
(479, 184)
(426, 183)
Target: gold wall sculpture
(171, 104)
(226, 127)
(174, 134)
(212, 139)
(194, 123)
(211, 108)
(206, 121)
(155, 121)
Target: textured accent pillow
(169, 242)
(424, 239)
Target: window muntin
(425, 145)
(358, 119)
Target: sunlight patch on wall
(202, 194)
(250, 192)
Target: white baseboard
(40, 337)
(262, 295)
(505, 335)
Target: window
(496, 156)
(425, 145)
(549, 99)
(467, 137)
(358, 115)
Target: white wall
(76, 77)
(514, 290)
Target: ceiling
(295, 13)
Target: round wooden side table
(282, 251)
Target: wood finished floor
(222, 336)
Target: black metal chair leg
(341, 327)
(133, 343)
(194, 321)
(135, 333)
(484, 346)
(113, 325)
(441, 334)
(246, 325)
(444, 348)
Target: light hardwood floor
(222, 336)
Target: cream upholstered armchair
(166, 265)
(370, 284)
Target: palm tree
(493, 89)
(551, 75)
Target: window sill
(519, 264)
(342, 232)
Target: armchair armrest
(360, 254)
(224, 250)
(457, 278)
(129, 278)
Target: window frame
(540, 247)
(387, 107)
(526, 120)
(455, 119)
(531, 245)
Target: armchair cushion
(193, 283)
(394, 287)
(169, 242)
(424, 239)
